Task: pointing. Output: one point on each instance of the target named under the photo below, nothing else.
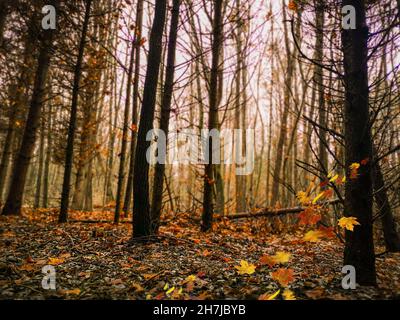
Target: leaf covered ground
(240, 259)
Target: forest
(200, 149)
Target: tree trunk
(208, 203)
(48, 160)
(135, 108)
(124, 143)
(359, 247)
(72, 122)
(13, 204)
(141, 204)
(284, 119)
(39, 177)
(165, 114)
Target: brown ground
(97, 261)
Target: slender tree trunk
(284, 119)
(72, 122)
(135, 108)
(39, 177)
(141, 204)
(359, 247)
(322, 152)
(165, 114)
(13, 203)
(208, 203)
(48, 160)
(124, 143)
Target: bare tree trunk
(63, 217)
(284, 119)
(208, 205)
(124, 143)
(135, 109)
(13, 204)
(48, 159)
(141, 204)
(359, 247)
(165, 114)
(39, 177)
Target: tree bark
(165, 114)
(135, 109)
(13, 203)
(359, 247)
(208, 203)
(63, 217)
(141, 204)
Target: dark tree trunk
(208, 205)
(359, 247)
(135, 107)
(47, 161)
(165, 114)
(141, 203)
(39, 177)
(13, 204)
(124, 143)
(72, 122)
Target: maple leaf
(354, 170)
(269, 296)
(282, 257)
(245, 267)
(303, 197)
(283, 276)
(348, 223)
(313, 236)
(309, 217)
(288, 295)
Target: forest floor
(97, 261)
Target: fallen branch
(268, 212)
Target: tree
(165, 114)
(63, 217)
(359, 247)
(141, 204)
(208, 203)
(14, 200)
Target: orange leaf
(283, 276)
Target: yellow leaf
(76, 291)
(303, 197)
(313, 236)
(288, 295)
(267, 296)
(170, 290)
(348, 223)
(245, 268)
(318, 197)
(55, 261)
(190, 278)
(354, 166)
(334, 178)
(282, 257)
